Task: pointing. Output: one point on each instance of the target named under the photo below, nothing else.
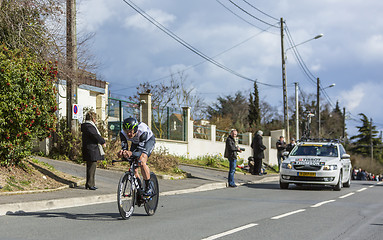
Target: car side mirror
(285, 153)
(345, 156)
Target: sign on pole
(77, 112)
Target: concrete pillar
(249, 138)
(213, 131)
(101, 106)
(146, 108)
(188, 124)
(275, 134)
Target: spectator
(91, 148)
(291, 145)
(258, 148)
(231, 150)
(354, 173)
(281, 147)
(363, 175)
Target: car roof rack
(319, 140)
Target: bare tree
(174, 94)
(40, 27)
(186, 96)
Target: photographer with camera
(231, 150)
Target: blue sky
(132, 50)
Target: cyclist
(143, 142)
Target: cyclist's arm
(124, 153)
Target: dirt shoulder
(33, 176)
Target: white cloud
(93, 13)
(372, 48)
(353, 98)
(137, 21)
(363, 98)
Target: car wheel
(283, 185)
(348, 183)
(338, 186)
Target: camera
(242, 149)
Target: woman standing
(91, 148)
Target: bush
(67, 145)
(162, 161)
(365, 163)
(28, 103)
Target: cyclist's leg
(145, 171)
(147, 150)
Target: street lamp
(316, 37)
(318, 102)
(284, 81)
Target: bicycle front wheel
(151, 205)
(126, 196)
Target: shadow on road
(262, 185)
(292, 187)
(82, 217)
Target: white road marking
(361, 190)
(288, 214)
(230, 231)
(347, 195)
(371, 186)
(321, 203)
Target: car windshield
(315, 150)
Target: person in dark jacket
(231, 150)
(258, 154)
(291, 145)
(281, 147)
(91, 148)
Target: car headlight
(287, 166)
(330, 167)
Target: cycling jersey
(144, 139)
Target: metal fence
(118, 110)
(203, 132)
(168, 123)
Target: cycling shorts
(146, 148)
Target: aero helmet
(130, 123)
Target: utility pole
(318, 106)
(296, 112)
(71, 80)
(284, 82)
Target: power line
(197, 64)
(305, 69)
(264, 30)
(187, 45)
(260, 10)
(298, 57)
(251, 15)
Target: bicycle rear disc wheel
(151, 205)
(126, 196)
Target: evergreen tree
(233, 107)
(363, 140)
(254, 109)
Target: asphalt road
(251, 211)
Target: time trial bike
(130, 191)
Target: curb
(15, 208)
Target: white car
(317, 162)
